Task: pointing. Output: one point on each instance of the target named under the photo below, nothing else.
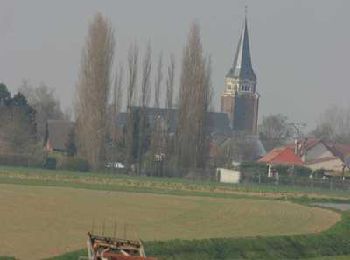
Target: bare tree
(119, 90)
(68, 114)
(334, 125)
(132, 70)
(145, 99)
(194, 99)
(131, 93)
(92, 91)
(116, 103)
(158, 145)
(146, 77)
(170, 83)
(208, 87)
(168, 139)
(158, 81)
(46, 105)
(275, 131)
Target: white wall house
(322, 156)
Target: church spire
(240, 100)
(242, 65)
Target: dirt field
(38, 222)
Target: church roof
(242, 65)
(216, 122)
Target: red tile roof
(283, 155)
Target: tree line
(143, 147)
(99, 98)
(23, 118)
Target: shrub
(25, 160)
(302, 171)
(253, 170)
(318, 173)
(50, 163)
(74, 164)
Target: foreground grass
(60, 218)
(341, 257)
(326, 245)
(277, 247)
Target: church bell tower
(240, 99)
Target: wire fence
(324, 183)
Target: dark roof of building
(57, 133)
(242, 65)
(217, 122)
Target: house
(327, 156)
(282, 156)
(57, 135)
(318, 154)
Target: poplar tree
(93, 90)
(194, 101)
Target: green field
(46, 213)
(53, 220)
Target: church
(240, 101)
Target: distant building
(217, 123)
(313, 153)
(240, 101)
(318, 154)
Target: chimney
(296, 147)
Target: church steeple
(242, 65)
(240, 100)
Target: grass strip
(118, 182)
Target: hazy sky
(300, 48)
